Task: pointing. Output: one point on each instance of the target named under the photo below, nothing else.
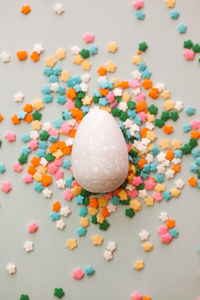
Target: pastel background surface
(171, 272)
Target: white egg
(99, 153)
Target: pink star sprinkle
(136, 296)
(6, 186)
(166, 238)
(27, 178)
(17, 167)
(195, 124)
(188, 54)
(68, 195)
(78, 274)
(162, 230)
(32, 227)
(137, 180)
(157, 196)
(10, 136)
(33, 144)
(65, 128)
(138, 4)
(88, 37)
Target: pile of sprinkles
(153, 161)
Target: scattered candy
(59, 293)
(78, 274)
(59, 9)
(11, 268)
(28, 246)
(33, 227)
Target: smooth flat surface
(171, 272)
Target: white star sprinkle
(54, 86)
(60, 224)
(47, 126)
(47, 193)
(43, 161)
(75, 50)
(111, 208)
(137, 74)
(112, 246)
(144, 235)
(163, 216)
(179, 105)
(86, 77)
(5, 57)
(108, 255)
(38, 48)
(65, 211)
(59, 9)
(34, 135)
(18, 97)
(179, 183)
(11, 268)
(60, 183)
(28, 246)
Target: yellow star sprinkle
(97, 240)
(36, 125)
(169, 104)
(165, 94)
(100, 218)
(126, 96)
(176, 144)
(147, 246)
(77, 59)
(160, 187)
(60, 54)
(112, 47)
(37, 176)
(92, 211)
(106, 108)
(102, 201)
(115, 82)
(87, 100)
(110, 66)
(149, 201)
(76, 190)
(86, 65)
(165, 144)
(64, 76)
(150, 118)
(170, 3)
(175, 192)
(136, 59)
(42, 169)
(135, 205)
(58, 154)
(38, 104)
(50, 61)
(139, 265)
(151, 135)
(71, 244)
(84, 222)
(123, 195)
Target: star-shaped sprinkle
(59, 293)
(60, 224)
(24, 297)
(28, 246)
(86, 77)
(60, 183)
(108, 255)
(147, 246)
(71, 244)
(78, 274)
(6, 186)
(97, 240)
(179, 183)
(111, 208)
(112, 47)
(32, 227)
(18, 97)
(38, 48)
(60, 53)
(65, 211)
(88, 37)
(144, 235)
(5, 57)
(11, 268)
(139, 265)
(112, 246)
(59, 9)
(75, 50)
(163, 216)
(47, 193)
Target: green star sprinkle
(84, 53)
(24, 297)
(188, 44)
(196, 48)
(129, 212)
(143, 46)
(59, 293)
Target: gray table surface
(171, 272)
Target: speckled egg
(99, 153)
